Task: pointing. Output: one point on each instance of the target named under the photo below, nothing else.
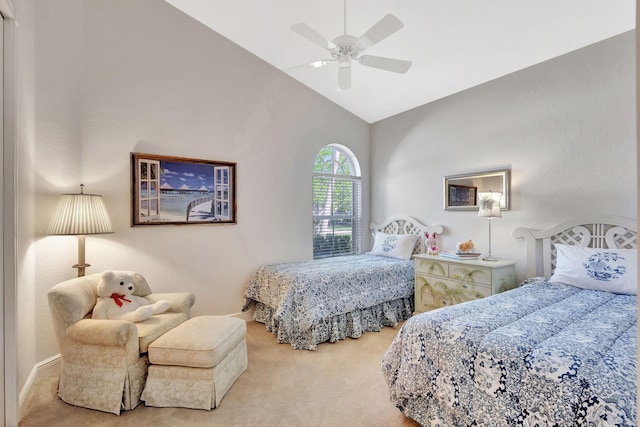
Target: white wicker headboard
(403, 224)
(602, 232)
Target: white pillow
(611, 270)
(394, 245)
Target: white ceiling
(454, 45)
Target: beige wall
(99, 79)
(566, 128)
(120, 76)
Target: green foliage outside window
(331, 244)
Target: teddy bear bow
(119, 298)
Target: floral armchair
(104, 362)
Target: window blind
(337, 214)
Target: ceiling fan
(345, 48)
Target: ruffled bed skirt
(336, 328)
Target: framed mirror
(461, 191)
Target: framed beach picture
(178, 190)
(462, 195)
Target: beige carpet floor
(340, 384)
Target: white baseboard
(247, 316)
(40, 370)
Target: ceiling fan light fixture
(345, 61)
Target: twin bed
(309, 302)
(559, 350)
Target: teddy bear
(116, 299)
(465, 246)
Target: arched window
(337, 203)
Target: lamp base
(489, 257)
(81, 268)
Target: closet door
(8, 226)
(5, 230)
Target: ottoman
(196, 363)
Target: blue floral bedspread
(308, 302)
(540, 355)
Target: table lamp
(489, 207)
(79, 215)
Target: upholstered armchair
(104, 362)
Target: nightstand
(440, 281)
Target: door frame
(8, 227)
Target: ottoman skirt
(195, 364)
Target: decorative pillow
(611, 270)
(394, 245)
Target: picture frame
(168, 190)
(483, 181)
(462, 195)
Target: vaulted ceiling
(452, 45)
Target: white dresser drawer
(440, 282)
(432, 267)
(433, 292)
(470, 273)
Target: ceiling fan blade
(344, 78)
(315, 64)
(388, 25)
(312, 35)
(389, 64)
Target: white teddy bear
(116, 299)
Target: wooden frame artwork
(178, 190)
(462, 195)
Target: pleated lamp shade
(79, 214)
(489, 204)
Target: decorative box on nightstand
(443, 281)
